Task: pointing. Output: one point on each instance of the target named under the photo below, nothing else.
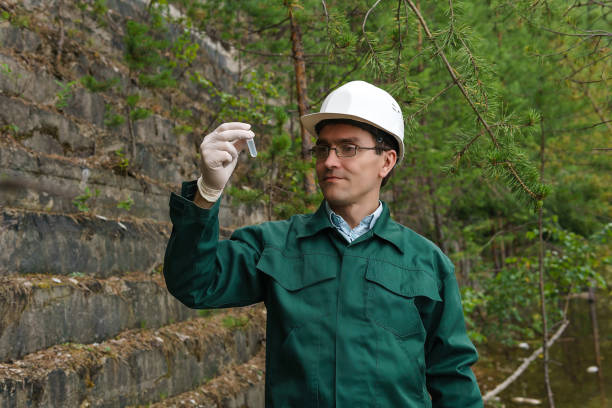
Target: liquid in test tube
(251, 146)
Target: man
(361, 311)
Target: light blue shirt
(345, 230)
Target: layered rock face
(85, 318)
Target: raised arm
(200, 270)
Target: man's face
(347, 181)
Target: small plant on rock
(126, 204)
(112, 119)
(94, 85)
(82, 201)
(124, 162)
(64, 94)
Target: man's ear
(390, 158)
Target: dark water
(571, 355)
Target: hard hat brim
(310, 121)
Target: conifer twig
(365, 35)
(459, 83)
(432, 99)
(471, 58)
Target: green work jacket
(374, 323)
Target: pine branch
(432, 99)
(365, 35)
(461, 86)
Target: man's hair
(383, 140)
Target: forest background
(508, 117)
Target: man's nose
(332, 159)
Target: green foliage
(111, 118)
(182, 114)
(100, 7)
(140, 113)
(123, 162)
(182, 129)
(137, 113)
(94, 85)
(132, 100)
(153, 52)
(82, 202)
(233, 322)
(142, 49)
(64, 95)
(5, 70)
(126, 204)
(11, 129)
(508, 301)
(185, 50)
(162, 79)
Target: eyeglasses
(320, 152)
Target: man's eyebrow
(341, 141)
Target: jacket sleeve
(203, 272)
(449, 351)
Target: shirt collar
(345, 229)
(385, 228)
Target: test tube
(251, 146)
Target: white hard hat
(363, 102)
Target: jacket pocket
(296, 272)
(391, 291)
(299, 288)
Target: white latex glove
(219, 155)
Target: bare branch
(367, 14)
(399, 33)
(338, 83)
(325, 10)
(591, 82)
(588, 33)
(261, 30)
(278, 54)
(588, 65)
(521, 369)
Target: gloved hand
(219, 155)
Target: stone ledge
(35, 243)
(241, 386)
(138, 367)
(61, 180)
(42, 311)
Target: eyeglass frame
(342, 156)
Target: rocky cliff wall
(85, 319)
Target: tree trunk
(549, 392)
(297, 49)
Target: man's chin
(334, 200)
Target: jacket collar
(314, 223)
(385, 228)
